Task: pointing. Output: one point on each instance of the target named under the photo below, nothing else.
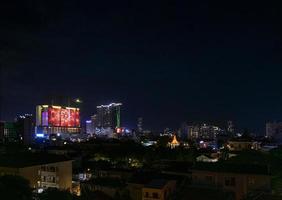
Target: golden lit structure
(174, 143)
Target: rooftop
(106, 182)
(21, 160)
(202, 193)
(232, 168)
(156, 183)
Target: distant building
(25, 128)
(240, 144)
(42, 171)
(230, 127)
(159, 189)
(88, 127)
(10, 132)
(205, 158)
(108, 185)
(140, 124)
(58, 120)
(94, 122)
(2, 124)
(184, 131)
(20, 130)
(274, 130)
(203, 131)
(239, 179)
(108, 116)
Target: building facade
(57, 120)
(2, 124)
(202, 131)
(274, 130)
(158, 189)
(240, 183)
(108, 116)
(10, 133)
(25, 128)
(241, 145)
(42, 174)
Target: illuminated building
(108, 116)
(203, 131)
(57, 120)
(41, 170)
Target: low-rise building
(107, 185)
(205, 158)
(158, 189)
(240, 144)
(238, 179)
(41, 170)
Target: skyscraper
(202, 131)
(88, 127)
(2, 125)
(52, 119)
(108, 116)
(25, 128)
(230, 127)
(140, 124)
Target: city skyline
(171, 62)
(140, 100)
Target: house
(205, 158)
(240, 144)
(107, 185)
(41, 170)
(158, 189)
(239, 179)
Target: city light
(40, 135)
(78, 100)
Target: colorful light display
(56, 116)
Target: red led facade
(54, 117)
(63, 117)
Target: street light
(78, 100)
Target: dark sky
(167, 61)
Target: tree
(55, 194)
(14, 188)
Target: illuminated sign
(57, 116)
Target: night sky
(167, 61)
